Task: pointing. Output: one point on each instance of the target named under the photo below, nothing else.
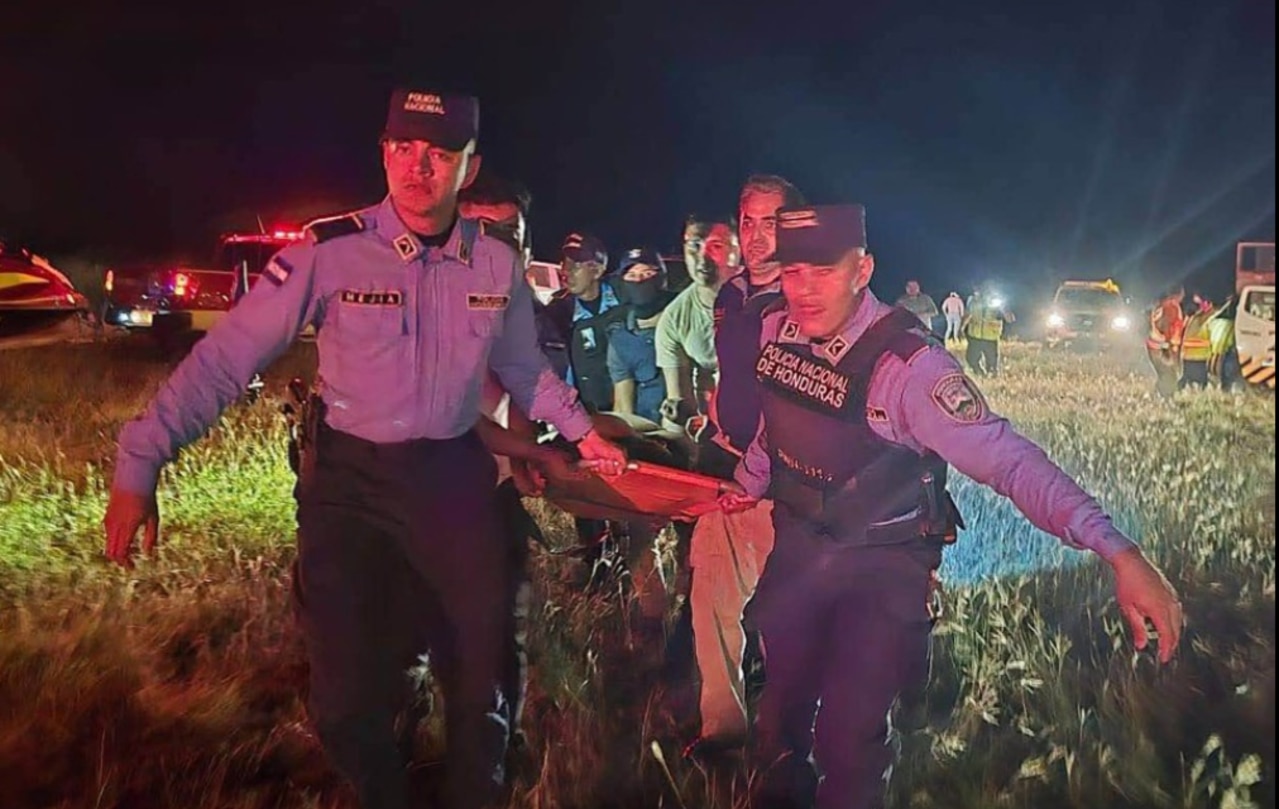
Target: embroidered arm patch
(957, 397)
(277, 271)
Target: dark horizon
(996, 140)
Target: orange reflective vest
(1196, 342)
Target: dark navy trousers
(399, 543)
(850, 627)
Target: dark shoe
(679, 661)
(520, 764)
(714, 749)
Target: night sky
(1006, 140)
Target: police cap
(819, 234)
(583, 247)
(641, 255)
(447, 120)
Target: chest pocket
(487, 324)
(368, 320)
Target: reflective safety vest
(1221, 333)
(1196, 344)
(984, 321)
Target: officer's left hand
(529, 480)
(126, 513)
(1143, 593)
(601, 455)
(556, 464)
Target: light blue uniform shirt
(928, 404)
(406, 334)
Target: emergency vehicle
(544, 278)
(1092, 312)
(34, 294)
(1255, 311)
(172, 300)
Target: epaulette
(903, 336)
(332, 227)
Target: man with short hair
(918, 304)
(501, 204)
(685, 344)
(728, 551)
(412, 307)
(863, 410)
(686, 335)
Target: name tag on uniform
(359, 298)
(486, 303)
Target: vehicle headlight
(1055, 320)
(997, 302)
(1120, 323)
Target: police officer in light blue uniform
(411, 306)
(862, 411)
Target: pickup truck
(1255, 315)
(1091, 313)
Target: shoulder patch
(333, 227)
(277, 270)
(957, 397)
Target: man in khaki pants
(729, 550)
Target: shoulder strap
(894, 332)
(333, 227)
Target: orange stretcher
(645, 490)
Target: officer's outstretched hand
(126, 513)
(601, 455)
(1143, 593)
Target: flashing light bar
(280, 234)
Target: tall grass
(179, 684)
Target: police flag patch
(277, 271)
(959, 398)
